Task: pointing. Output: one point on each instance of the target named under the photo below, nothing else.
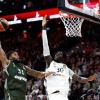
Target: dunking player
(57, 85)
(16, 75)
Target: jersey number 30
(60, 70)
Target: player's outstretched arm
(3, 57)
(46, 50)
(83, 79)
(37, 74)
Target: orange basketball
(3, 25)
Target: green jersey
(15, 83)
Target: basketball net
(72, 24)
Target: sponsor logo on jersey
(20, 78)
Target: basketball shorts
(57, 96)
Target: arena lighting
(1, 0)
(40, 18)
(54, 16)
(0, 11)
(34, 19)
(15, 22)
(38, 15)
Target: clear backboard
(84, 9)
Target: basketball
(3, 25)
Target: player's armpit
(48, 60)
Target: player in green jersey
(16, 75)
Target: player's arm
(79, 78)
(37, 74)
(3, 57)
(83, 79)
(46, 50)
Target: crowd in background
(82, 55)
(17, 6)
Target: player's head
(13, 55)
(59, 56)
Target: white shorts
(57, 96)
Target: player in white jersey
(57, 85)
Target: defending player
(57, 85)
(16, 75)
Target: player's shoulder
(65, 66)
(6, 64)
(53, 62)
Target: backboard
(86, 10)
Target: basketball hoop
(72, 24)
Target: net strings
(72, 25)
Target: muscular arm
(80, 79)
(37, 74)
(34, 73)
(3, 57)
(83, 79)
(46, 50)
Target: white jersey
(60, 80)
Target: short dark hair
(9, 53)
(62, 51)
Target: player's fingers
(92, 78)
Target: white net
(72, 25)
